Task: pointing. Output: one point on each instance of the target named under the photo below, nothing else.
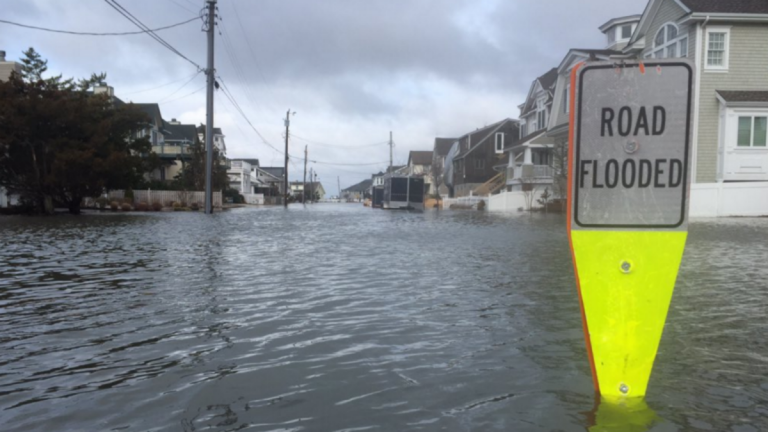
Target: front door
(746, 145)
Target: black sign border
(577, 150)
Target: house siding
(747, 70)
(668, 11)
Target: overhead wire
(160, 86)
(95, 33)
(130, 17)
(182, 86)
(186, 95)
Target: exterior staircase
(491, 186)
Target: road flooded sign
(629, 181)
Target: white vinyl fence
(465, 201)
(511, 202)
(257, 199)
(729, 199)
(166, 197)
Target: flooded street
(342, 318)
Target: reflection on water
(338, 317)
(622, 415)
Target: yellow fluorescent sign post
(629, 182)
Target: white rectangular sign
(632, 145)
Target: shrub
(184, 204)
(195, 207)
(176, 205)
(142, 206)
(125, 207)
(128, 196)
(156, 206)
(102, 202)
(481, 205)
(114, 205)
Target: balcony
(171, 150)
(530, 172)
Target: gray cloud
(353, 70)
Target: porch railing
(530, 171)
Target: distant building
(8, 67)
(357, 192)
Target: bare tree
(560, 167)
(529, 191)
(437, 177)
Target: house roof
(524, 140)
(620, 20)
(546, 81)
(601, 54)
(180, 132)
(744, 96)
(359, 187)
(152, 110)
(443, 145)
(216, 131)
(479, 136)
(419, 157)
(727, 6)
(253, 162)
(278, 172)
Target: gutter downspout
(697, 99)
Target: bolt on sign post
(629, 169)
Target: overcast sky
(352, 70)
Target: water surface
(342, 318)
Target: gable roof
(359, 187)
(278, 172)
(216, 131)
(727, 6)
(547, 82)
(152, 110)
(480, 136)
(180, 132)
(418, 157)
(443, 146)
(599, 54)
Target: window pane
(672, 51)
(671, 32)
(659, 54)
(659, 38)
(761, 125)
(715, 58)
(626, 32)
(684, 47)
(717, 41)
(745, 130)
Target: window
(499, 142)
(717, 48)
(154, 137)
(541, 119)
(479, 163)
(626, 31)
(752, 131)
(567, 99)
(669, 43)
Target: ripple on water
(342, 318)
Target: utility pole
(287, 124)
(304, 187)
(210, 73)
(391, 144)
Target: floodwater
(337, 317)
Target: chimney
(173, 122)
(103, 88)
(2, 56)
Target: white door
(746, 145)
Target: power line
(160, 86)
(186, 95)
(182, 6)
(336, 145)
(124, 12)
(98, 34)
(231, 98)
(182, 86)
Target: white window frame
(680, 40)
(726, 53)
(567, 99)
(496, 142)
(620, 30)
